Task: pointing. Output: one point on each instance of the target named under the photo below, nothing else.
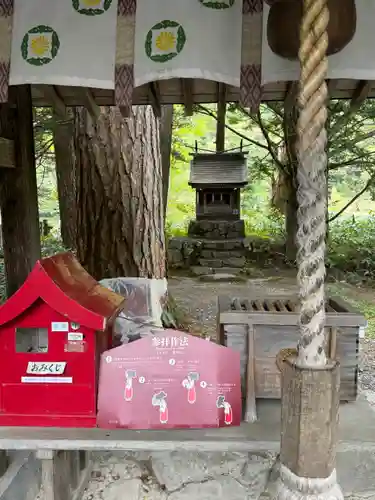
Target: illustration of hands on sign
(189, 384)
(228, 414)
(129, 391)
(160, 400)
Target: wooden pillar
(65, 175)
(221, 111)
(18, 190)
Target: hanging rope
(311, 176)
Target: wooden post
(165, 134)
(65, 175)
(18, 190)
(221, 111)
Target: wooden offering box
(52, 332)
(273, 325)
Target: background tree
(350, 151)
(120, 215)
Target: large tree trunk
(65, 174)
(166, 129)
(120, 222)
(18, 190)
(284, 199)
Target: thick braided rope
(311, 178)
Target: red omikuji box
(52, 332)
(169, 380)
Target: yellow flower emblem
(166, 41)
(40, 45)
(91, 3)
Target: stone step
(228, 270)
(216, 263)
(222, 254)
(236, 244)
(204, 270)
(219, 263)
(222, 277)
(201, 270)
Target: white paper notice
(60, 326)
(46, 368)
(47, 380)
(73, 336)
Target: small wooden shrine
(218, 179)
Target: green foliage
(351, 245)
(51, 245)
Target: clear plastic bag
(143, 308)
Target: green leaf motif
(181, 39)
(55, 45)
(148, 44)
(41, 29)
(164, 25)
(39, 61)
(91, 12)
(217, 5)
(25, 46)
(162, 58)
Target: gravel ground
(199, 301)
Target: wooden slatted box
(275, 326)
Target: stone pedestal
(216, 229)
(310, 405)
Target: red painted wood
(57, 290)
(61, 282)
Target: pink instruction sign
(170, 380)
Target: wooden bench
(66, 454)
(65, 473)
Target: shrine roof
(62, 283)
(218, 169)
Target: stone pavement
(182, 475)
(206, 476)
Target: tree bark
(291, 222)
(65, 174)
(120, 226)
(284, 199)
(18, 190)
(166, 126)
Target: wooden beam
(221, 111)
(360, 95)
(90, 104)
(53, 96)
(7, 156)
(187, 92)
(331, 85)
(18, 190)
(154, 91)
